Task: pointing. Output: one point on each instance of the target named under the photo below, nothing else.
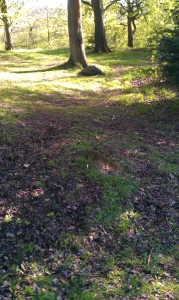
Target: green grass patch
(115, 190)
(166, 163)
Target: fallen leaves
(44, 220)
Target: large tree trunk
(77, 50)
(100, 32)
(8, 43)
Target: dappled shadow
(93, 104)
(42, 198)
(37, 178)
(123, 58)
(64, 222)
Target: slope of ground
(89, 179)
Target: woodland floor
(71, 226)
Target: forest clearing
(89, 178)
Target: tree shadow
(64, 66)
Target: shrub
(168, 50)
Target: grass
(70, 228)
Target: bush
(168, 50)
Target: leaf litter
(44, 204)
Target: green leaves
(51, 214)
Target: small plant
(8, 218)
(29, 248)
(18, 221)
(26, 222)
(53, 164)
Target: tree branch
(122, 24)
(134, 25)
(86, 2)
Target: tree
(77, 49)
(9, 13)
(133, 9)
(6, 24)
(168, 49)
(100, 31)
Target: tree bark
(8, 43)
(77, 49)
(130, 32)
(100, 31)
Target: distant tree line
(107, 24)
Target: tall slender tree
(77, 49)
(133, 9)
(6, 23)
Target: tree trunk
(130, 32)
(48, 27)
(8, 44)
(77, 49)
(100, 32)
